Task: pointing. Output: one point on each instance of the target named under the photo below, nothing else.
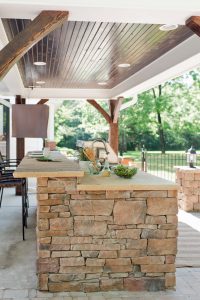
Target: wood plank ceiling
(81, 54)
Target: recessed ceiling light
(168, 27)
(40, 82)
(102, 83)
(124, 65)
(39, 63)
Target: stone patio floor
(17, 264)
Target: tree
(78, 120)
(166, 117)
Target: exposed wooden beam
(112, 108)
(43, 24)
(194, 24)
(117, 109)
(100, 109)
(43, 101)
(112, 119)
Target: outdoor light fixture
(40, 82)
(39, 63)
(168, 27)
(191, 157)
(124, 65)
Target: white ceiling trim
(66, 93)
(135, 11)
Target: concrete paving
(18, 272)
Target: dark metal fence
(162, 165)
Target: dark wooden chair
(8, 181)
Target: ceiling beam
(43, 101)
(194, 24)
(100, 109)
(43, 24)
(117, 109)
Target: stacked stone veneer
(188, 181)
(104, 240)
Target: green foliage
(179, 108)
(124, 171)
(78, 120)
(177, 105)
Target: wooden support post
(112, 120)
(20, 142)
(114, 136)
(43, 101)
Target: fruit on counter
(125, 171)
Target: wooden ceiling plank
(135, 37)
(71, 49)
(61, 57)
(100, 110)
(70, 33)
(138, 54)
(144, 58)
(193, 23)
(79, 53)
(81, 49)
(117, 52)
(130, 55)
(83, 58)
(94, 46)
(135, 46)
(112, 48)
(44, 23)
(95, 59)
(55, 55)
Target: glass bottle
(106, 169)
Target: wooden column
(194, 24)
(20, 142)
(114, 136)
(112, 119)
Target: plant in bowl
(125, 171)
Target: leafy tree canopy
(171, 109)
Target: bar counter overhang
(102, 233)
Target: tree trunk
(159, 119)
(113, 137)
(161, 133)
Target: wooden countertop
(141, 181)
(31, 167)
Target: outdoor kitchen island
(102, 233)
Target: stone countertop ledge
(61, 167)
(141, 181)
(187, 169)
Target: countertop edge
(48, 174)
(131, 187)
